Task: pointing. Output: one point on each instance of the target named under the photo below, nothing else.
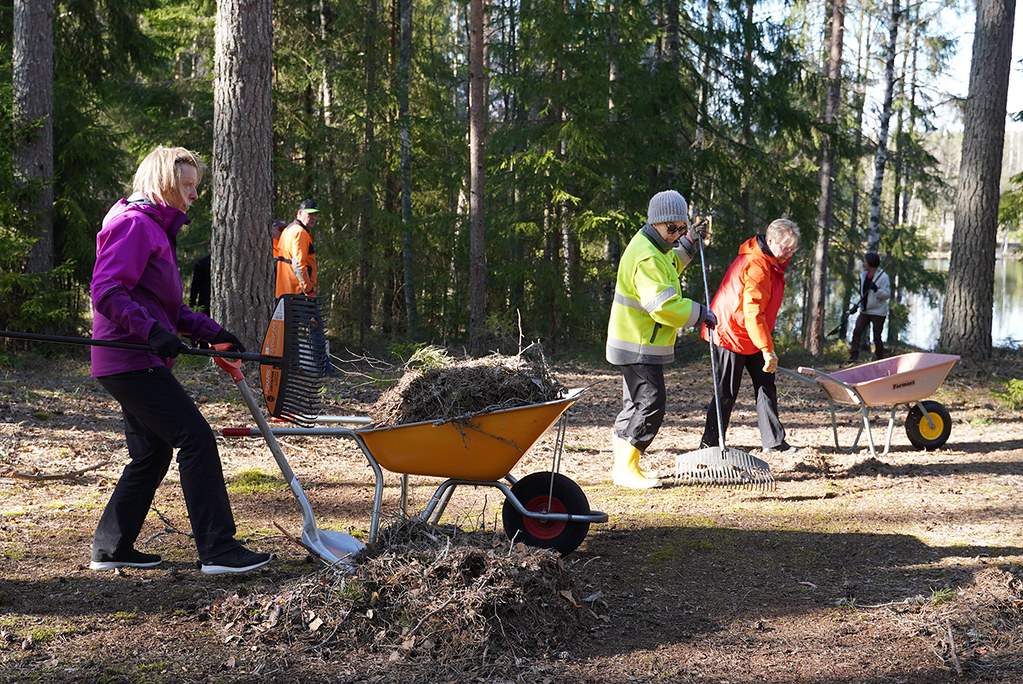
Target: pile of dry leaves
(466, 388)
(430, 599)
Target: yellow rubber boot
(626, 472)
(648, 474)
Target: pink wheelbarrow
(904, 380)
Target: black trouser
(643, 400)
(158, 418)
(730, 366)
(877, 325)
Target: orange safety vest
(296, 262)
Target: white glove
(770, 361)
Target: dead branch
(71, 475)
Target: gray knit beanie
(667, 207)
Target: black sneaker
(785, 449)
(125, 559)
(239, 559)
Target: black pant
(877, 325)
(643, 400)
(158, 418)
(730, 366)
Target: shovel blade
(334, 548)
(723, 466)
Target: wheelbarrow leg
(378, 490)
(439, 501)
(891, 428)
(865, 410)
(403, 499)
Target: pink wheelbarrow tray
(904, 380)
(543, 509)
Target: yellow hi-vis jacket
(647, 307)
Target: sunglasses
(676, 227)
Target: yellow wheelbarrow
(904, 380)
(543, 509)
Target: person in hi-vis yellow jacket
(647, 311)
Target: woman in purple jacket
(137, 297)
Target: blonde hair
(783, 231)
(158, 176)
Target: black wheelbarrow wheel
(535, 494)
(921, 434)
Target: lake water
(924, 326)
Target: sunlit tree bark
(969, 293)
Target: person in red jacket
(746, 306)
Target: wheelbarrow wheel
(566, 497)
(921, 434)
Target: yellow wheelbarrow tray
(544, 509)
(904, 380)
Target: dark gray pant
(643, 400)
(877, 325)
(730, 366)
(158, 418)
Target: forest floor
(902, 568)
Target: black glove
(706, 316)
(225, 336)
(165, 343)
(871, 285)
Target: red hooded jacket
(747, 302)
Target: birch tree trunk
(814, 339)
(33, 124)
(969, 292)
(242, 168)
(874, 229)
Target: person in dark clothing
(199, 300)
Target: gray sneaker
(239, 559)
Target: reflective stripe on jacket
(648, 307)
(747, 302)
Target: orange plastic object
(232, 367)
(483, 448)
(273, 345)
(897, 379)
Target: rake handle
(59, 339)
(710, 338)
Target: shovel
(333, 548)
(720, 465)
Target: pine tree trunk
(969, 292)
(33, 123)
(242, 168)
(477, 179)
(814, 338)
(408, 253)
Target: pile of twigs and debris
(432, 601)
(466, 388)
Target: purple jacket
(136, 283)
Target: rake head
(723, 467)
(291, 380)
